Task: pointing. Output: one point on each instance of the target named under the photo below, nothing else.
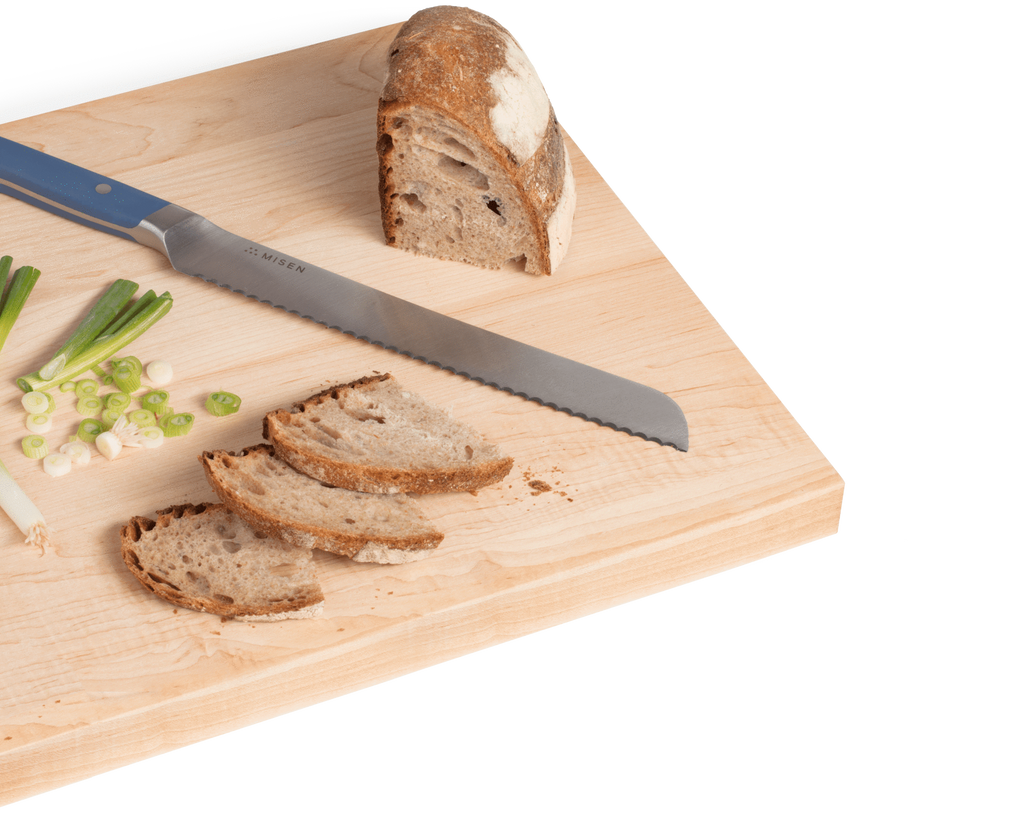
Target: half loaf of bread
(372, 436)
(277, 500)
(472, 163)
(203, 557)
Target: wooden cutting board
(96, 673)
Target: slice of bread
(372, 436)
(472, 164)
(277, 500)
(203, 557)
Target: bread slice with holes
(472, 162)
(277, 500)
(370, 435)
(204, 557)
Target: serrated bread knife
(198, 248)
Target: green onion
(142, 417)
(22, 511)
(109, 417)
(65, 387)
(89, 429)
(223, 403)
(118, 400)
(78, 451)
(151, 437)
(109, 444)
(104, 347)
(39, 422)
(158, 402)
(34, 446)
(86, 387)
(89, 406)
(160, 372)
(38, 402)
(57, 464)
(176, 424)
(100, 316)
(16, 292)
(126, 378)
(13, 500)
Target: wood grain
(96, 673)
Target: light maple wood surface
(98, 673)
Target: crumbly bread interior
(206, 558)
(389, 437)
(275, 498)
(449, 199)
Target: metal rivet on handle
(102, 189)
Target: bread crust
(133, 531)
(308, 535)
(453, 61)
(370, 478)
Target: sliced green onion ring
(89, 429)
(34, 446)
(160, 372)
(126, 378)
(89, 406)
(67, 386)
(77, 450)
(151, 437)
(142, 417)
(157, 401)
(117, 401)
(39, 422)
(176, 424)
(57, 464)
(222, 403)
(38, 402)
(86, 387)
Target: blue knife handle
(73, 192)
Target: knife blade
(199, 248)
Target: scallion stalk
(22, 511)
(16, 292)
(13, 500)
(101, 316)
(104, 348)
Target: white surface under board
(67, 83)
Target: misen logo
(270, 257)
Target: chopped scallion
(176, 424)
(34, 446)
(151, 437)
(89, 406)
(160, 372)
(86, 387)
(142, 417)
(222, 403)
(36, 402)
(118, 400)
(39, 422)
(89, 429)
(78, 451)
(57, 464)
(109, 444)
(158, 402)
